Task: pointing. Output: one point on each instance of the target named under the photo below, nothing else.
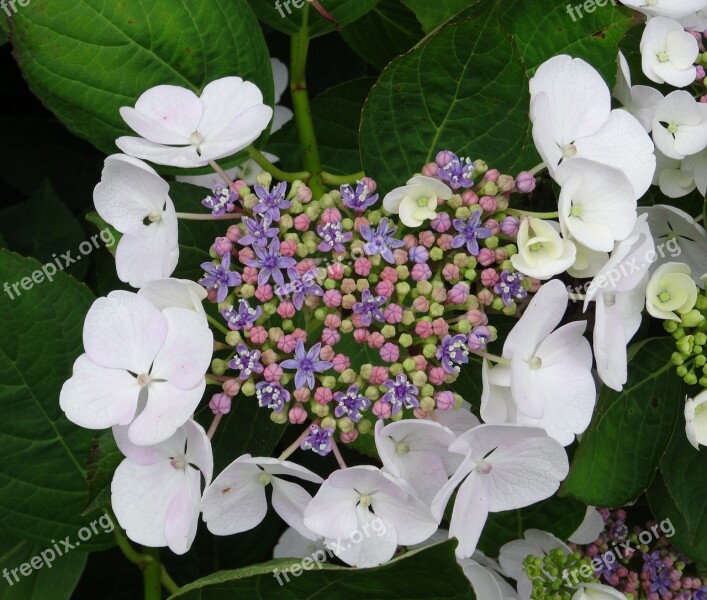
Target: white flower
(696, 21)
(677, 234)
(156, 491)
(675, 9)
(487, 583)
(130, 192)
(544, 365)
(505, 467)
(597, 591)
(696, 419)
(589, 529)
(597, 205)
(668, 52)
(571, 112)
(671, 292)
(639, 100)
(696, 165)
(416, 451)
(292, 544)
(618, 292)
(542, 253)
(364, 514)
(587, 262)
(143, 367)
(416, 202)
(459, 420)
(236, 501)
(250, 170)
(671, 176)
(680, 125)
(179, 293)
(181, 129)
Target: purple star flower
(400, 392)
(271, 395)
(453, 352)
(270, 261)
(271, 202)
(351, 404)
(242, 317)
(479, 338)
(360, 198)
(221, 201)
(369, 308)
(469, 232)
(246, 361)
(509, 287)
(306, 364)
(258, 231)
(381, 241)
(455, 171)
(333, 237)
(319, 440)
(300, 286)
(218, 277)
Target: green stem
(538, 215)
(492, 357)
(222, 328)
(152, 575)
(278, 174)
(537, 168)
(302, 110)
(168, 583)
(216, 167)
(337, 180)
(207, 216)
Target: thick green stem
(331, 179)
(278, 174)
(516, 212)
(301, 106)
(152, 575)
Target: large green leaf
(432, 14)
(287, 16)
(430, 574)
(86, 58)
(384, 33)
(42, 473)
(463, 89)
(620, 451)
(336, 114)
(37, 572)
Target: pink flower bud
(332, 298)
(450, 272)
(220, 404)
(389, 274)
(379, 375)
(211, 295)
(492, 175)
(246, 254)
(327, 353)
(341, 363)
(323, 395)
(437, 375)
(424, 329)
(421, 304)
(297, 415)
(444, 400)
(441, 223)
(264, 293)
(234, 233)
(510, 226)
(421, 272)
(393, 314)
(250, 275)
(489, 277)
(501, 255)
(458, 294)
(348, 285)
(362, 267)
(444, 157)
(439, 294)
(430, 170)
(420, 362)
(301, 394)
(375, 340)
(330, 337)
(222, 246)
(488, 203)
(385, 288)
(238, 184)
(299, 334)
(357, 322)
(331, 215)
(335, 271)
(440, 327)
(534, 285)
(427, 239)
(231, 386)
(493, 226)
(445, 241)
(288, 247)
(485, 297)
(306, 264)
(382, 410)
(302, 222)
(469, 197)
(348, 436)
(476, 317)
(400, 256)
(332, 321)
(287, 343)
(286, 309)
(410, 241)
(304, 194)
(486, 257)
(390, 352)
(268, 357)
(273, 372)
(525, 182)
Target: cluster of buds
(690, 336)
(701, 62)
(339, 314)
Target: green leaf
(620, 451)
(286, 15)
(464, 89)
(432, 14)
(384, 33)
(112, 235)
(55, 578)
(86, 58)
(336, 114)
(47, 239)
(103, 460)
(430, 574)
(42, 468)
(559, 516)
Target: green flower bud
(700, 338)
(408, 317)
(218, 366)
(685, 344)
(402, 271)
(690, 378)
(366, 370)
(418, 378)
(347, 224)
(364, 426)
(497, 304)
(424, 287)
(427, 404)
(312, 211)
(345, 425)
(388, 331)
(462, 327)
(372, 393)
(286, 223)
(248, 388)
(670, 326)
(269, 308)
(679, 333)
(436, 254)
(402, 288)
(247, 290)
(692, 318)
(233, 338)
(676, 358)
(346, 326)
(395, 369)
(436, 310)
(244, 192)
(279, 417)
(462, 212)
(288, 325)
(329, 422)
(454, 202)
(427, 390)
(681, 371)
(700, 360)
(348, 376)
(470, 274)
(489, 189)
(318, 409)
(250, 201)
(429, 350)
(329, 382)
(510, 309)
(409, 364)
(326, 201)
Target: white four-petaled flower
(668, 52)
(416, 201)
